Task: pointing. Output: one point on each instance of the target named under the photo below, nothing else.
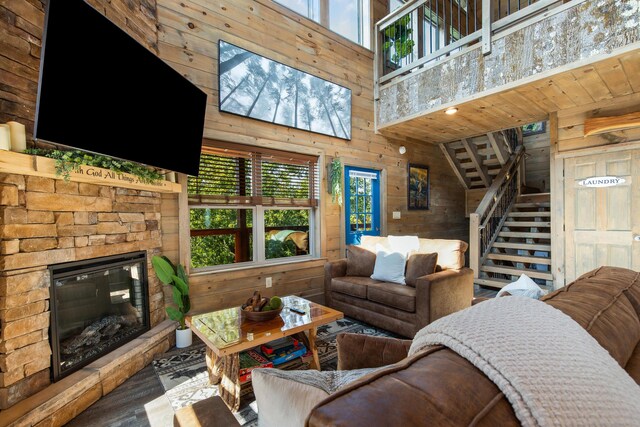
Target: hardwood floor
(138, 402)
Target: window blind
(231, 175)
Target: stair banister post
(474, 244)
(486, 27)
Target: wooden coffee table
(226, 334)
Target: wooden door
(602, 223)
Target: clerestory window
(349, 18)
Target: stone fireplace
(48, 222)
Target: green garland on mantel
(70, 161)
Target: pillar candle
(18, 137)
(171, 176)
(5, 137)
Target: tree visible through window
(251, 206)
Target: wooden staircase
(477, 161)
(522, 245)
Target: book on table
(283, 350)
(249, 360)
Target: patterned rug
(183, 372)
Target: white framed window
(252, 206)
(349, 18)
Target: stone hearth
(46, 221)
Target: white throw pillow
(285, 398)
(404, 244)
(524, 287)
(389, 266)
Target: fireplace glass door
(97, 306)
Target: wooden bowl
(261, 316)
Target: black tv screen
(102, 91)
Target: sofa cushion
(352, 285)
(370, 243)
(389, 267)
(450, 252)
(392, 295)
(285, 398)
(598, 303)
(360, 261)
(419, 265)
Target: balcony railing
(424, 31)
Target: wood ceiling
(519, 105)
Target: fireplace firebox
(97, 305)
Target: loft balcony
(501, 63)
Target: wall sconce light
(451, 110)
(402, 149)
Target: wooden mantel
(27, 164)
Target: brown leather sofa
(438, 387)
(398, 308)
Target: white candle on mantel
(5, 137)
(171, 176)
(18, 137)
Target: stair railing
(486, 221)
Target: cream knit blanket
(550, 369)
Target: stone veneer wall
(47, 221)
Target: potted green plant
(179, 282)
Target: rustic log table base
(223, 371)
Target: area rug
(183, 372)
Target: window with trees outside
(349, 18)
(252, 206)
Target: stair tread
(539, 224)
(530, 214)
(520, 205)
(525, 259)
(530, 234)
(524, 246)
(514, 271)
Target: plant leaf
(186, 302)
(175, 315)
(177, 298)
(181, 285)
(183, 275)
(163, 269)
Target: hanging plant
(335, 181)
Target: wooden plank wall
(571, 123)
(186, 38)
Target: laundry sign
(601, 181)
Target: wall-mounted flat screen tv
(102, 91)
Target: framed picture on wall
(534, 128)
(417, 187)
(260, 88)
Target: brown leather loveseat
(440, 388)
(403, 309)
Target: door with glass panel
(362, 203)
